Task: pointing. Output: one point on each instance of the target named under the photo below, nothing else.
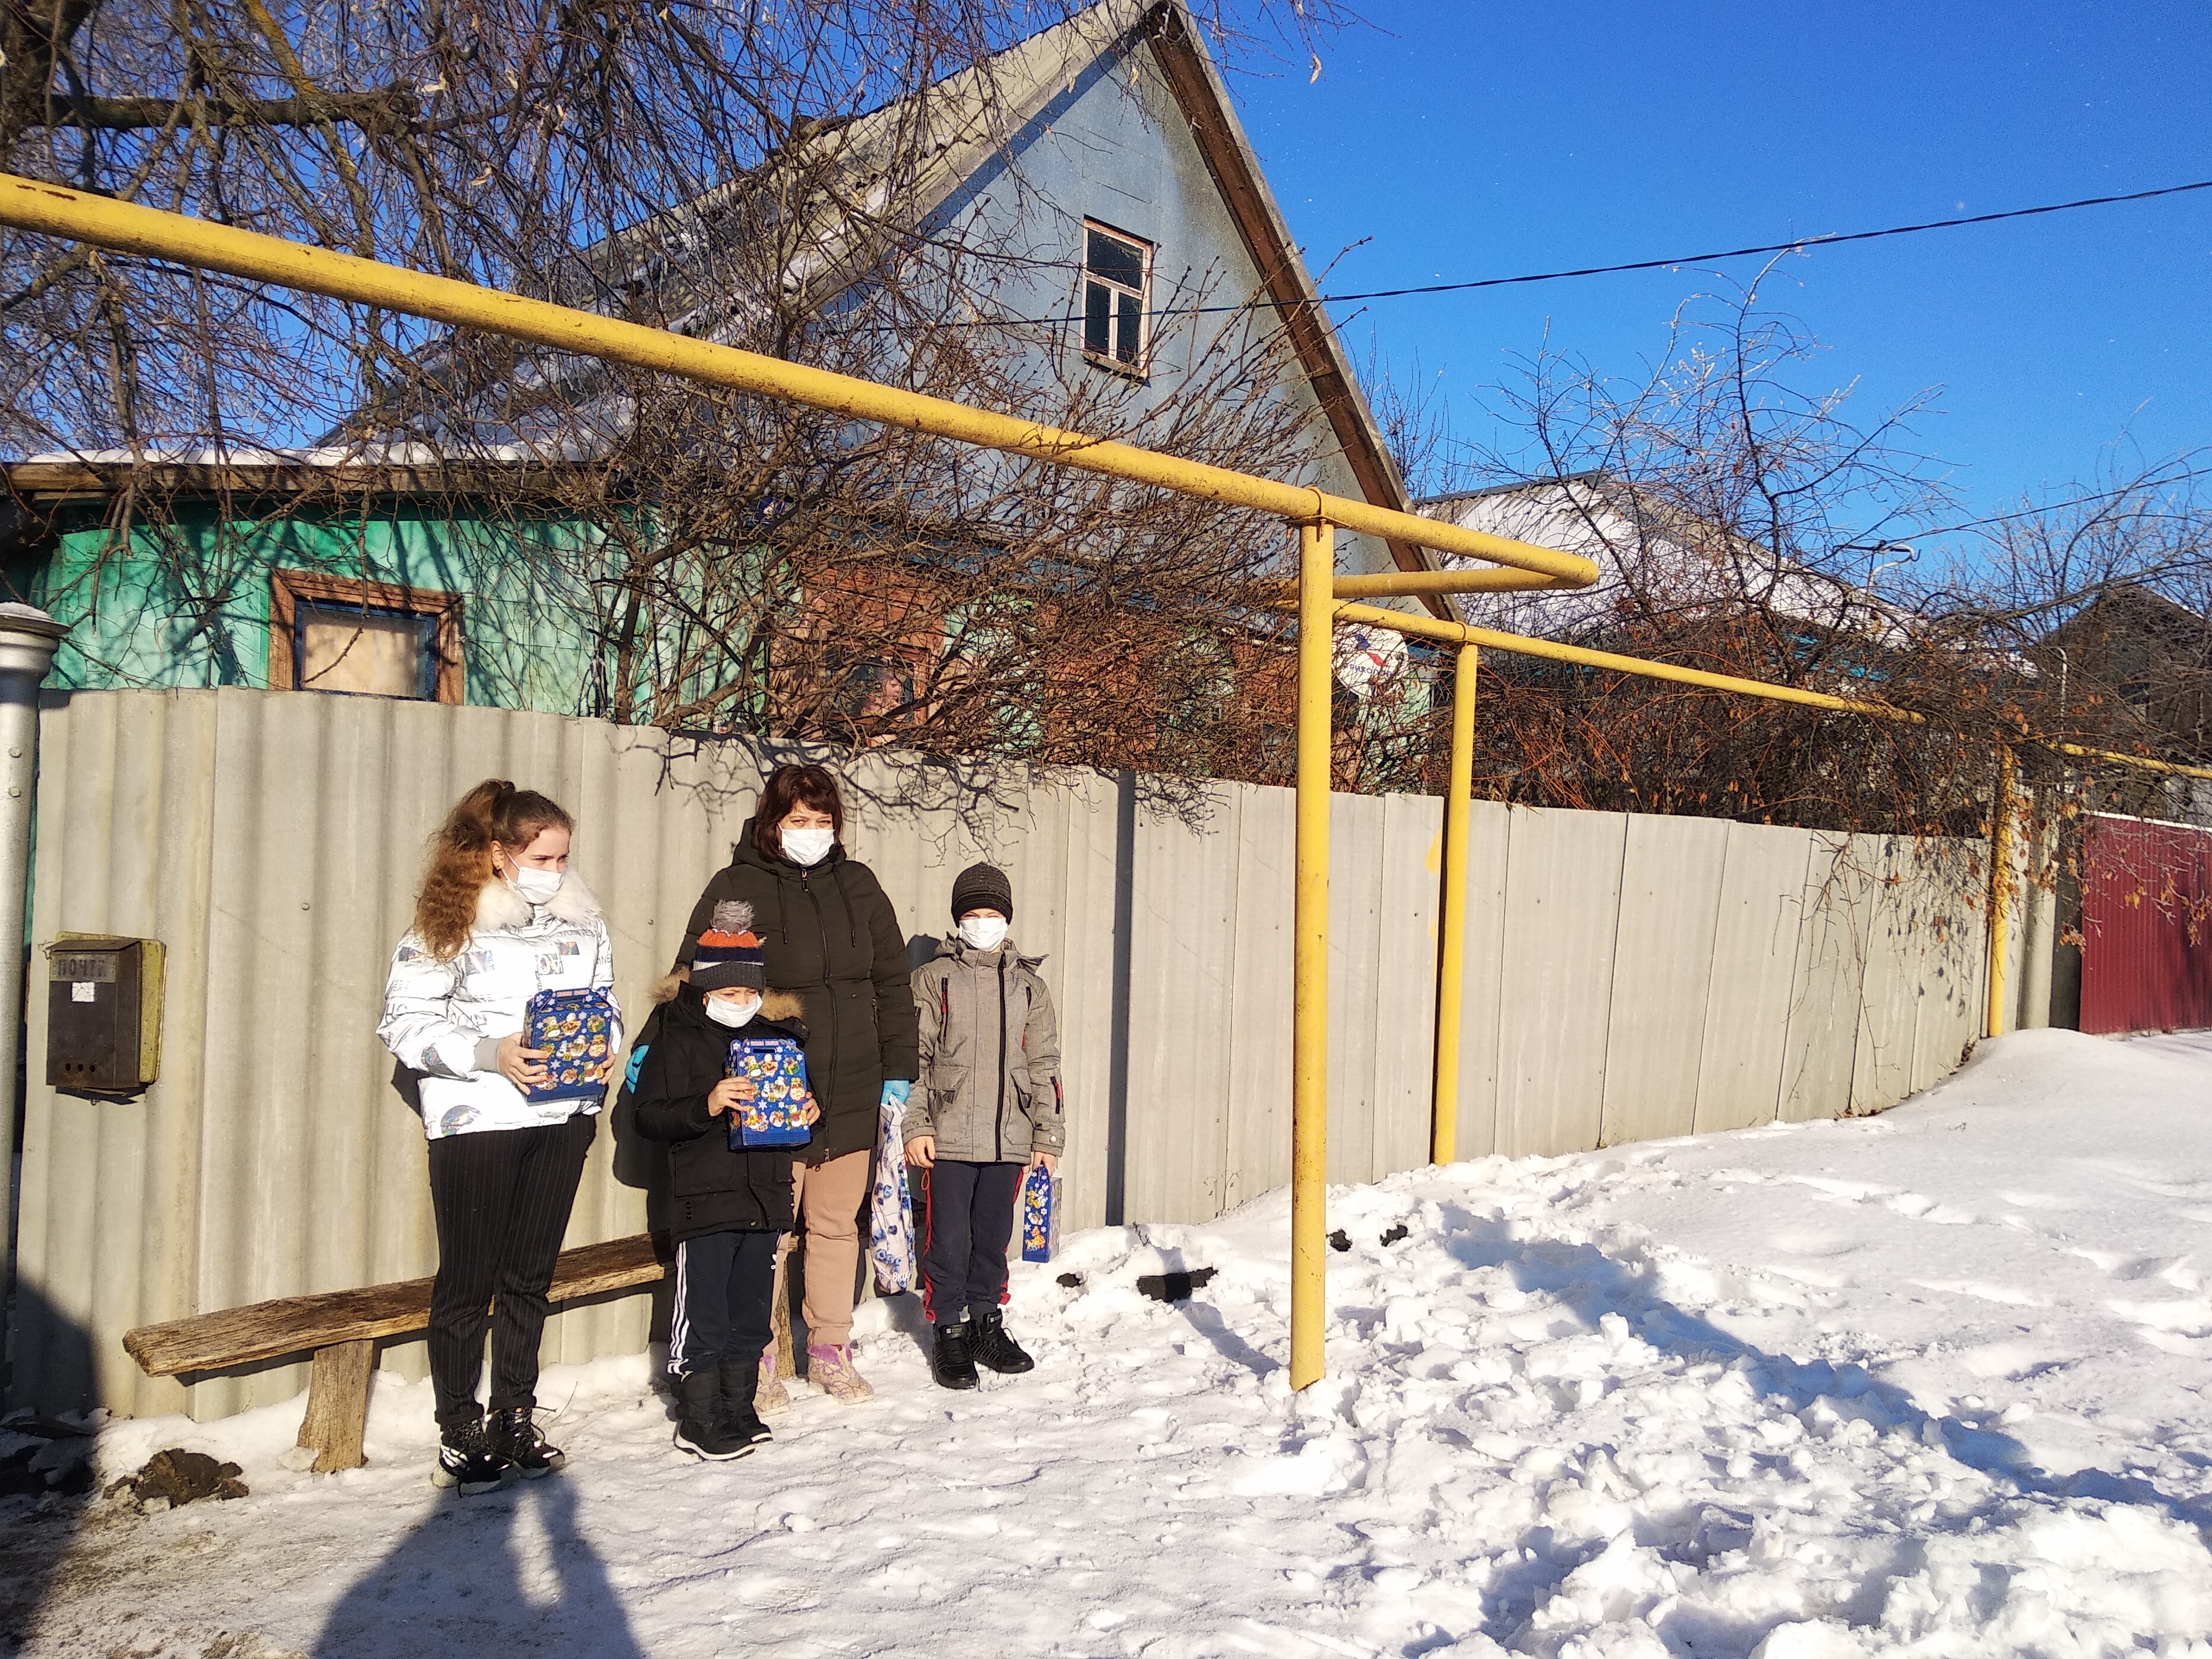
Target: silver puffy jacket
(443, 1019)
(989, 1089)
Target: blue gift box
(777, 1115)
(576, 1029)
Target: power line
(1777, 247)
(1829, 240)
(2157, 483)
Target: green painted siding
(184, 602)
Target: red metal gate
(2146, 926)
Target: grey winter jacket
(989, 1089)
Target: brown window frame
(290, 589)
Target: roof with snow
(1650, 552)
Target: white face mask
(723, 1012)
(982, 932)
(805, 847)
(536, 885)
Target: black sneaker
(952, 1356)
(996, 1351)
(467, 1459)
(699, 1428)
(516, 1438)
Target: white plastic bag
(890, 1224)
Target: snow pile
(1932, 1382)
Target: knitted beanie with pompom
(728, 954)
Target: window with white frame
(1117, 270)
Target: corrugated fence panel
(1747, 1019)
(2145, 966)
(1258, 1037)
(1889, 1000)
(108, 1230)
(1951, 949)
(1562, 907)
(1670, 895)
(1403, 993)
(1625, 977)
(1824, 986)
(1482, 977)
(1084, 983)
(1180, 1005)
(1355, 957)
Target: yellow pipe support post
(2000, 888)
(1451, 961)
(102, 221)
(1309, 969)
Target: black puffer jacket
(830, 935)
(713, 1189)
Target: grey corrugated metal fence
(1628, 977)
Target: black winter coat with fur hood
(712, 1189)
(829, 935)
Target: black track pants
(501, 1199)
(725, 1289)
(967, 1224)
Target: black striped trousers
(501, 1199)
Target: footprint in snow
(1815, 1243)
(2175, 1270)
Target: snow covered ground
(1933, 1382)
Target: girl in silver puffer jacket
(498, 920)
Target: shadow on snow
(506, 1571)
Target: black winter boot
(996, 1351)
(734, 1414)
(517, 1439)
(952, 1356)
(698, 1429)
(467, 1459)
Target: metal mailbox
(103, 1013)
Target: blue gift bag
(1040, 1214)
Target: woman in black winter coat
(831, 937)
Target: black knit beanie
(982, 887)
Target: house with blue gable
(1086, 200)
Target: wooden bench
(343, 1327)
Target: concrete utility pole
(28, 639)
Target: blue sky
(1470, 140)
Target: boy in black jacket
(729, 1207)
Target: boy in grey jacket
(987, 1107)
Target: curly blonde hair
(494, 812)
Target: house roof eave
(1204, 100)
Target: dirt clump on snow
(176, 1477)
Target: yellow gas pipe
(1451, 955)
